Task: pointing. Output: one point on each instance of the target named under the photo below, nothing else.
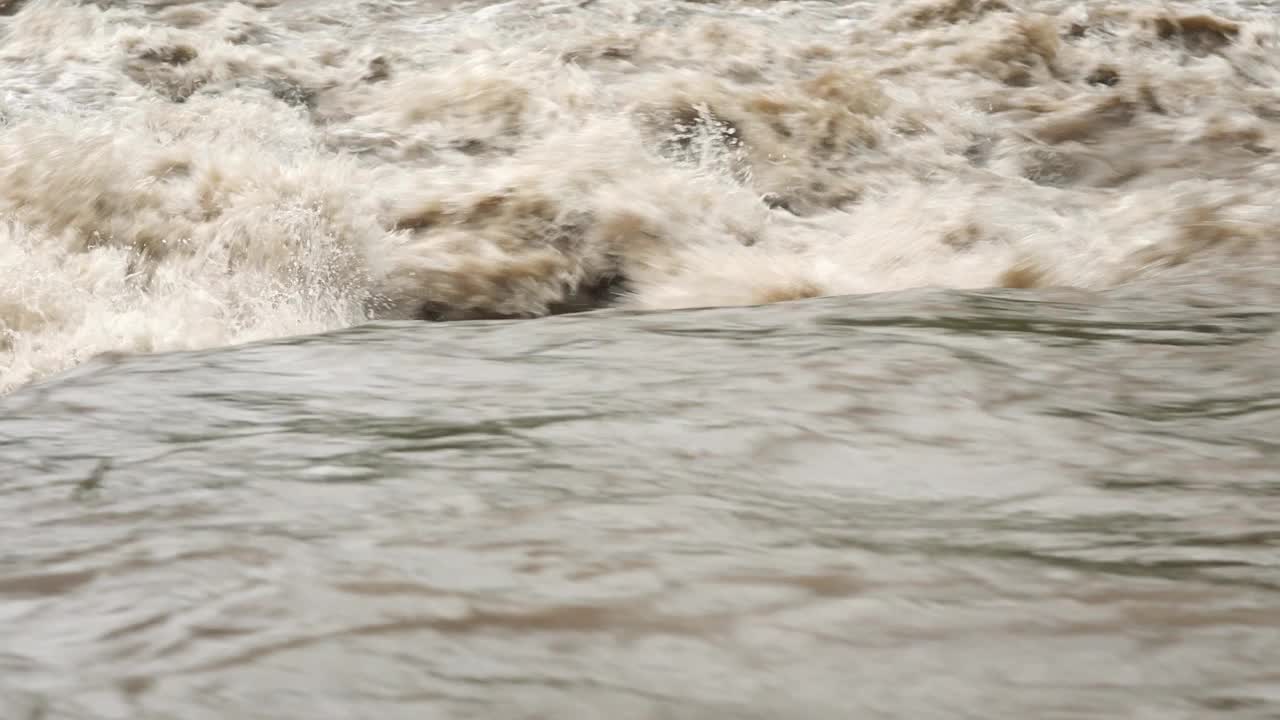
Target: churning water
(933, 369)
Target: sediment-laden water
(906, 360)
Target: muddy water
(191, 175)
(978, 419)
(928, 505)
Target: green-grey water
(922, 505)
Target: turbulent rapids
(182, 175)
(977, 415)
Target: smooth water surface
(924, 505)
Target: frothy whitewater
(182, 175)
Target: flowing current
(638, 359)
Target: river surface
(626, 359)
(921, 505)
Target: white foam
(194, 176)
